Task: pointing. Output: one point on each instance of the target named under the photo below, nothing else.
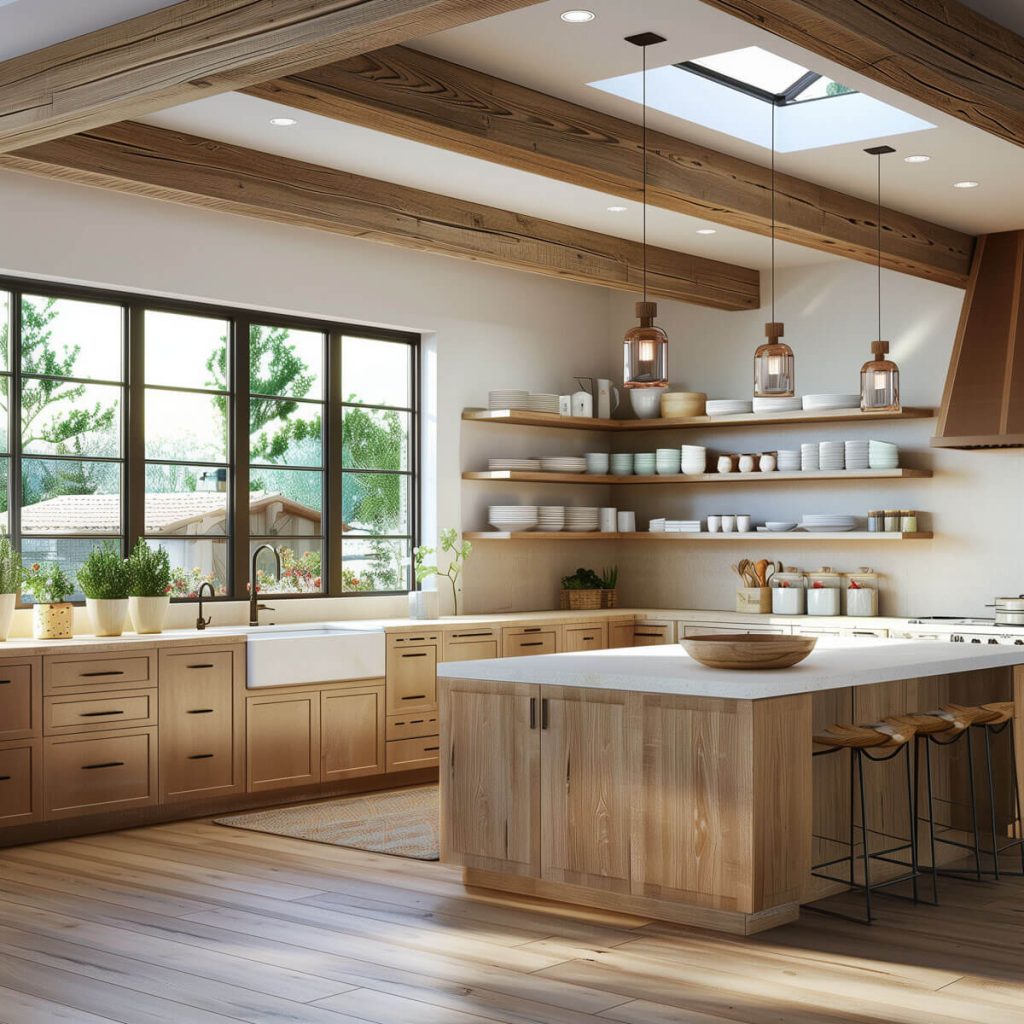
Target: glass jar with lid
(880, 381)
(860, 592)
(774, 366)
(826, 576)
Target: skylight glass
(756, 67)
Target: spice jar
(892, 521)
(908, 521)
(876, 521)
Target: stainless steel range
(967, 631)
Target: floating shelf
(762, 538)
(517, 476)
(515, 417)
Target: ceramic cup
(728, 524)
(626, 522)
(714, 524)
(743, 524)
(609, 520)
(746, 463)
(766, 463)
(597, 462)
(725, 464)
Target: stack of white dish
(563, 464)
(831, 456)
(597, 462)
(583, 519)
(515, 465)
(622, 463)
(729, 406)
(667, 461)
(774, 404)
(828, 524)
(824, 402)
(551, 517)
(675, 526)
(694, 459)
(542, 403)
(788, 460)
(645, 463)
(856, 455)
(810, 457)
(508, 398)
(513, 518)
(883, 455)
(774, 527)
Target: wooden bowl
(748, 650)
(677, 405)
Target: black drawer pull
(590, 638)
(98, 714)
(463, 636)
(532, 629)
(648, 634)
(543, 712)
(200, 711)
(533, 712)
(533, 643)
(431, 748)
(416, 696)
(105, 764)
(200, 666)
(97, 675)
(416, 654)
(199, 757)
(5, 778)
(5, 682)
(415, 721)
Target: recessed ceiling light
(919, 158)
(578, 17)
(706, 231)
(965, 184)
(283, 122)
(616, 209)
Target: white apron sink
(313, 654)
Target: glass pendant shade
(774, 366)
(645, 351)
(880, 381)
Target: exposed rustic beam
(421, 97)
(149, 161)
(200, 47)
(936, 51)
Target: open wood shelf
(540, 477)
(762, 538)
(515, 417)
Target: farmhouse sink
(313, 654)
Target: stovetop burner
(954, 620)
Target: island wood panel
(162, 164)
(422, 97)
(195, 48)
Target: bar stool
(877, 742)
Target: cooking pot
(1009, 610)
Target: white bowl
(780, 527)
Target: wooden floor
(193, 923)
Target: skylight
(732, 93)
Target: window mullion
(331, 526)
(134, 484)
(238, 451)
(14, 418)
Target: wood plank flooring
(192, 923)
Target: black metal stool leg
(931, 819)
(864, 835)
(992, 802)
(853, 841)
(1019, 826)
(912, 816)
(974, 806)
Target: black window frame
(788, 97)
(133, 456)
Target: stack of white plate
(821, 402)
(622, 463)
(674, 526)
(694, 459)
(668, 461)
(552, 518)
(582, 519)
(513, 518)
(563, 464)
(810, 457)
(509, 398)
(829, 524)
(542, 403)
(645, 463)
(831, 456)
(515, 465)
(857, 455)
(788, 460)
(773, 404)
(883, 455)
(729, 406)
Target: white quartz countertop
(833, 664)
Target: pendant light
(774, 367)
(645, 369)
(879, 377)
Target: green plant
(104, 573)
(149, 571)
(48, 583)
(186, 582)
(12, 574)
(583, 579)
(457, 552)
(609, 577)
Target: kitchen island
(641, 781)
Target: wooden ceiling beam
(417, 96)
(144, 160)
(937, 51)
(197, 48)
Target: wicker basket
(577, 600)
(610, 598)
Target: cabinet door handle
(532, 643)
(466, 636)
(544, 712)
(105, 764)
(5, 682)
(533, 712)
(98, 714)
(431, 748)
(532, 629)
(416, 654)
(416, 696)
(200, 711)
(201, 666)
(199, 757)
(97, 675)
(5, 778)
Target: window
(209, 432)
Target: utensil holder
(754, 600)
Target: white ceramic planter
(52, 621)
(148, 613)
(423, 604)
(107, 614)
(7, 603)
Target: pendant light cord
(773, 213)
(878, 229)
(643, 50)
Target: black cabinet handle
(533, 643)
(98, 714)
(5, 778)
(200, 666)
(5, 682)
(199, 757)
(200, 711)
(97, 675)
(533, 712)
(415, 654)
(105, 764)
(544, 713)
(416, 696)
(464, 636)
(531, 629)
(431, 748)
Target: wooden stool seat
(860, 737)
(930, 723)
(1004, 710)
(977, 714)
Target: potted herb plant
(11, 577)
(149, 587)
(52, 614)
(458, 553)
(582, 590)
(103, 579)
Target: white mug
(746, 463)
(626, 522)
(724, 463)
(743, 524)
(609, 520)
(767, 463)
(583, 404)
(714, 524)
(728, 524)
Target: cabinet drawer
(404, 755)
(20, 691)
(650, 634)
(414, 726)
(101, 772)
(412, 679)
(84, 672)
(21, 782)
(200, 762)
(529, 640)
(472, 644)
(425, 636)
(79, 713)
(591, 636)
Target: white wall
(974, 500)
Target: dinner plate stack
(828, 524)
(694, 459)
(668, 461)
(776, 404)
(788, 460)
(563, 464)
(514, 465)
(551, 518)
(831, 456)
(582, 519)
(826, 402)
(542, 403)
(645, 463)
(622, 463)
(509, 398)
(674, 526)
(857, 455)
(729, 406)
(883, 455)
(513, 518)
(810, 457)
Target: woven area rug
(401, 822)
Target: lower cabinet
(21, 782)
(352, 732)
(586, 636)
(471, 644)
(518, 641)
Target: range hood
(983, 401)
